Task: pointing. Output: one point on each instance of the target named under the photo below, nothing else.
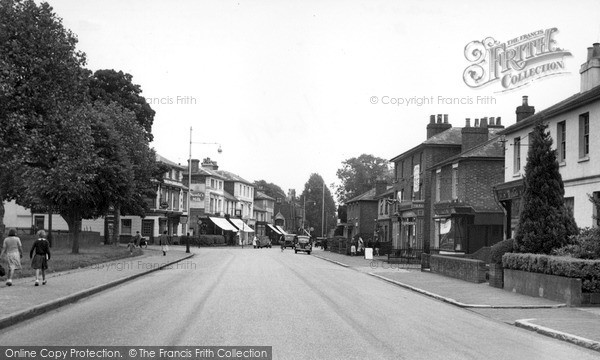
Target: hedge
(499, 249)
(587, 270)
(203, 240)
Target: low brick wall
(461, 268)
(496, 275)
(551, 287)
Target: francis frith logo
(516, 62)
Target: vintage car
(303, 243)
(287, 240)
(263, 241)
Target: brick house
(362, 212)
(574, 125)
(466, 214)
(413, 210)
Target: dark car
(287, 240)
(303, 243)
(262, 242)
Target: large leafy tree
(41, 77)
(112, 86)
(64, 153)
(358, 175)
(317, 198)
(544, 222)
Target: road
(302, 306)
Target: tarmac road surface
(302, 306)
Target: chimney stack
(495, 123)
(434, 128)
(195, 163)
(468, 122)
(380, 186)
(590, 70)
(524, 111)
(473, 136)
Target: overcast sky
(287, 87)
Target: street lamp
(187, 227)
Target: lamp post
(187, 227)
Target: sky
(292, 88)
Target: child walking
(41, 248)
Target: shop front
(411, 229)
(509, 196)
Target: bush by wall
(586, 245)
(587, 270)
(499, 249)
(204, 240)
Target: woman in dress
(12, 250)
(41, 249)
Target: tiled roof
(492, 148)
(164, 160)
(368, 196)
(573, 102)
(262, 196)
(229, 176)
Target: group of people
(12, 253)
(358, 246)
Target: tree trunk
(1, 218)
(116, 228)
(74, 222)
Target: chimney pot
(498, 120)
(596, 50)
(525, 100)
(432, 119)
(484, 123)
(476, 123)
(590, 53)
(439, 118)
(445, 118)
(492, 120)
(468, 122)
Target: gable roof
(490, 149)
(229, 176)
(572, 102)
(262, 196)
(367, 196)
(164, 160)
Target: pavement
(23, 300)
(577, 325)
(580, 326)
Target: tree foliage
(112, 86)
(312, 198)
(269, 189)
(59, 151)
(358, 175)
(544, 223)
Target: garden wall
(457, 267)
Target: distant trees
(544, 223)
(320, 212)
(70, 142)
(358, 175)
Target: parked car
(263, 241)
(303, 243)
(287, 241)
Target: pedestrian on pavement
(41, 249)
(12, 251)
(361, 244)
(377, 246)
(254, 241)
(164, 242)
(131, 246)
(138, 239)
(282, 242)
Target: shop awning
(274, 229)
(223, 224)
(241, 225)
(280, 230)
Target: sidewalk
(23, 300)
(580, 326)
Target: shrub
(586, 245)
(501, 248)
(587, 270)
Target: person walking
(377, 246)
(12, 251)
(138, 238)
(41, 249)
(164, 242)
